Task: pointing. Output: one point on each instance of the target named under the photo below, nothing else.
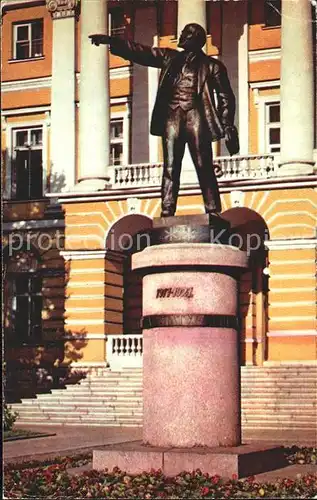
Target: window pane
(274, 136)
(22, 315)
(275, 149)
(22, 50)
(117, 21)
(37, 39)
(274, 113)
(272, 12)
(37, 30)
(36, 137)
(116, 154)
(22, 175)
(36, 317)
(116, 130)
(21, 137)
(36, 175)
(36, 284)
(22, 33)
(22, 285)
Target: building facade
(81, 173)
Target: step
(89, 398)
(83, 404)
(87, 392)
(277, 419)
(105, 384)
(82, 423)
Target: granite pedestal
(191, 369)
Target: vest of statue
(184, 87)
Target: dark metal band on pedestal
(200, 320)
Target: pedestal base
(244, 460)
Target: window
(117, 21)
(23, 298)
(272, 13)
(273, 127)
(28, 40)
(116, 141)
(27, 181)
(168, 19)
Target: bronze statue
(185, 109)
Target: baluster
(129, 341)
(262, 171)
(131, 169)
(253, 162)
(244, 167)
(152, 175)
(135, 346)
(234, 170)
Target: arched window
(23, 298)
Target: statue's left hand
(228, 133)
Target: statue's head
(193, 37)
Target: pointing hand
(97, 39)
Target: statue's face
(188, 38)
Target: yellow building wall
(288, 213)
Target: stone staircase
(274, 398)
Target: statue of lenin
(185, 110)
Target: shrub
(9, 417)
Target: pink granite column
(191, 380)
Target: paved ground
(70, 440)
(67, 440)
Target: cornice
(264, 55)
(46, 81)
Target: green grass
(16, 434)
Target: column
(297, 89)
(234, 54)
(145, 28)
(62, 175)
(94, 116)
(190, 11)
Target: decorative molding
(115, 74)
(193, 189)
(26, 225)
(292, 333)
(14, 3)
(3, 123)
(264, 55)
(46, 82)
(29, 84)
(134, 205)
(92, 254)
(265, 84)
(237, 198)
(291, 244)
(25, 111)
(60, 9)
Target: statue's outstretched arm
(135, 52)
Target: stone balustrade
(232, 167)
(124, 351)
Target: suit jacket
(212, 77)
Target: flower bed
(53, 481)
(43, 479)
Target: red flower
(215, 479)
(234, 477)
(204, 491)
